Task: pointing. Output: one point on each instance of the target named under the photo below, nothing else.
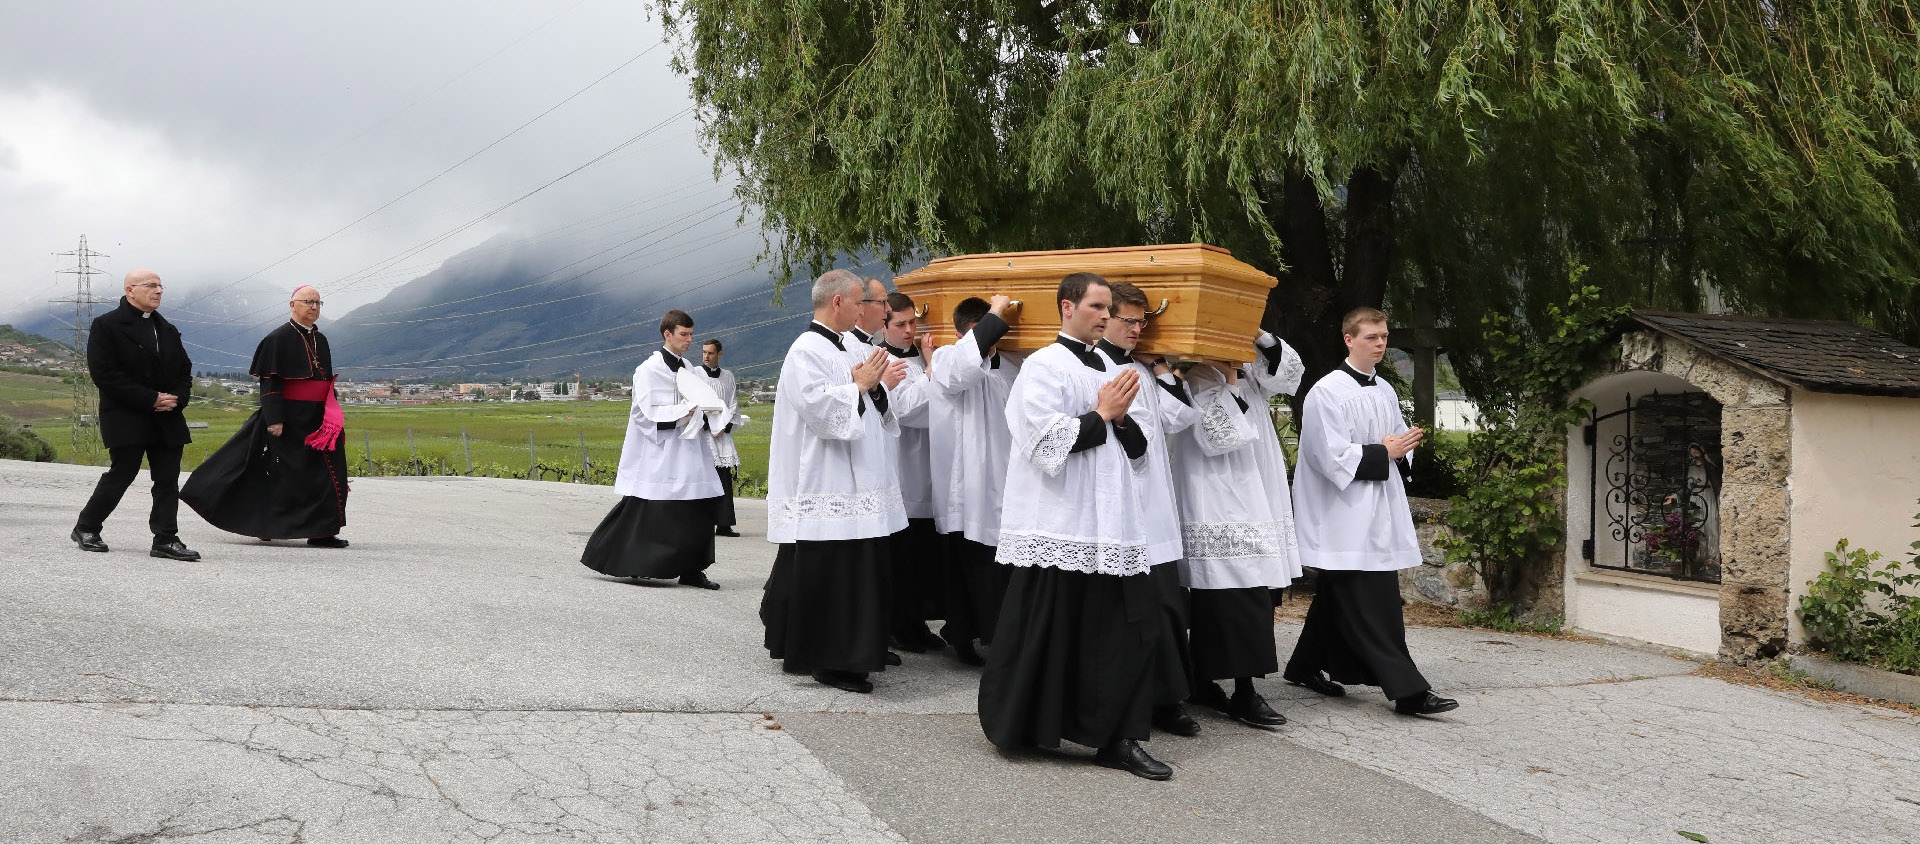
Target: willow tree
(1462, 155)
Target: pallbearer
(969, 446)
(662, 526)
(284, 473)
(726, 457)
(1079, 651)
(832, 499)
(1164, 410)
(1237, 521)
(1354, 526)
(919, 561)
(871, 316)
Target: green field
(496, 434)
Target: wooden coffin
(1202, 303)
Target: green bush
(18, 442)
(1857, 612)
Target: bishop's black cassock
(281, 487)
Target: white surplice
(656, 463)
(967, 440)
(725, 454)
(1077, 511)
(910, 402)
(1235, 511)
(1346, 524)
(827, 471)
(1163, 415)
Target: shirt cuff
(1373, 463)
(1093, 432)
(1173, 387)
(1132, 440)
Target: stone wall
(1434, 581)
(1756, 439)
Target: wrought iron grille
(1655, 507)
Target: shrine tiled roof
(1816, 355)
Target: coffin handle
(1013, 311)
(920, 312)
(1160, 310)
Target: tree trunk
(1316, 291)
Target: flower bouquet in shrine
(1674, 542)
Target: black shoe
(1209, 695)
(89, 540)
(1317, 682)
(174, 550)
(327, 542)
(963, 650)
(725, 531)
(1425, 703)
(700, 579)
(844, 682)
(1127, 755)
(926, 639)
(1253, 711)
(901, 642)
(1173, 719)
(892, 658)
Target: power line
(435, 177)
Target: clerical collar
(862, 336)
(1082, 351)
(831, 335)
(908, 352)
(1365, 379)
(672, 360)
(1120, 356)
(296, 324)
(712, 371)
(145, 314)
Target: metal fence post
(413, 457)
(586, 469)
(366, 446)
(466, 448)
(533, 462)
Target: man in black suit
(135, 357)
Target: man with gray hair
(832, 499)
(135, 357)
(871, 317)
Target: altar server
(1079, 653)
(832, 500)
(968, 447)
(1354, 526)
(726, 456)
(1237, 520)
(1165, 411)
(919, 558)
(662, 526)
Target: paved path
(457, 676)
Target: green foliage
(1501, 617)
(1858, 612)
(21, 443)
(1365, 152)
(1515, 466)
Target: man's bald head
(143, 289)
(305, 305)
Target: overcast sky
(210, 140)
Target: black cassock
(277, 487)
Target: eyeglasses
(152, 285)
(873, 301)
(313, 302)
(1136, 323)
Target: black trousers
(723, 508)
(163, 464)
(1355, 632)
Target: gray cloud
(208, 140)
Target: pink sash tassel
(333, 421)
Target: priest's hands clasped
(1399, 444)
(879, 368)
(1117, 395)
(165, 401)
